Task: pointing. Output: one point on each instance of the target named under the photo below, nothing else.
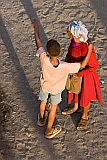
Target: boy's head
(78, 30)
(53, 48)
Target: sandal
(68, 111)
(57, 129)
(41, 121)
(83, 124)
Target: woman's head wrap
(79, 30)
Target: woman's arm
(86, 59)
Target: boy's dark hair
(53, 48)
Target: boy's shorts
(54, 98)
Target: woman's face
(69, 33)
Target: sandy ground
(21, 138)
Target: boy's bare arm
(36, 33)
(86, 59)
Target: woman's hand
(75, 75)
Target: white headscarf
(79, 30)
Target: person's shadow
(31, 12)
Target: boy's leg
(42, 114)
(50, 130)
(51, 118)
(42, 108)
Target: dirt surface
(21, 138)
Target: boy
(53, 80)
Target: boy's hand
(35, 25)
(36, 33)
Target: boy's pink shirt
(53, 79)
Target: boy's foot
(57, 130)
(83, 124)
(68, 111)
(41, 121)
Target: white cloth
(79, 30)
